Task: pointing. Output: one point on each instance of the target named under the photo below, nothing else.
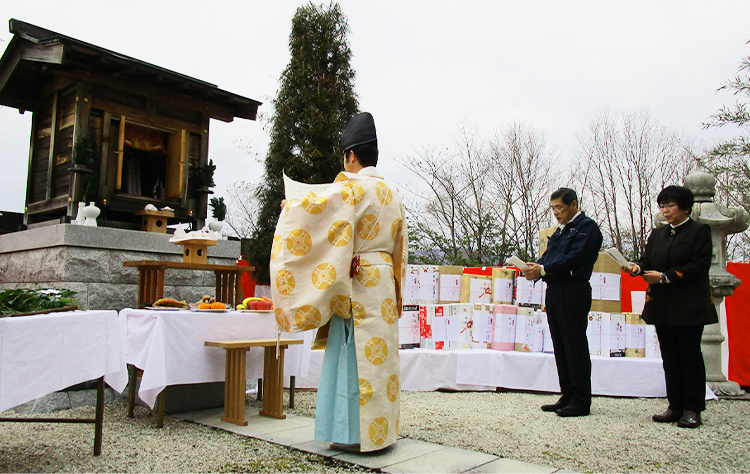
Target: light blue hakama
(337, 405)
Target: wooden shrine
(145, 129)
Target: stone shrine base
(89, 261)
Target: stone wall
(89, 260)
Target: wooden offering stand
(154, 221)
(196, 250)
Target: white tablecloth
(616, 376)
(45, 353)
(484, 369)
(169, 346)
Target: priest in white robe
(338, 264)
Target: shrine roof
(36, 55)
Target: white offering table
(169, 346)
(45, 353)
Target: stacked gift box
(453, 307)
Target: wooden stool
(234, 381)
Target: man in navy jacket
(566, 267)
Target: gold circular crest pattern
(299, 242)
(393, 387)
(396, 227)
(376, 350)
(389, 311)
(340, 233)
(358, 312)
(282, 320)
(276, 246)
(352, 193)
(307, 317)
(365, 391)
(386, 257)
(313, 203)
(323, 276)
(285, 282)
(369, 275)
(341, 305)
(368, 227)
(385, 196)
(378, 430)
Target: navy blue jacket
(571, 254)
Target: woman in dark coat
(679, 303)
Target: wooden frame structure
(149, 127)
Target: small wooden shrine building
(139, 131)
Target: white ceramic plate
(255, 310)
(165, 309)
(209, 310)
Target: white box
(653, 350)
(408, 327)
(617, 342)
(524, 326)
(537, 333)
(594, 333)
(529, 292)
(482, 321)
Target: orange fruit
(204, 306)
(218, 305)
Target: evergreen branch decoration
(218, 207)
(26, 300)
(203, 176)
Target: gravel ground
(135, 445)
(618, 436)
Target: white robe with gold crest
(315, 240)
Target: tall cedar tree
(315, 101)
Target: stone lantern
(723, 221)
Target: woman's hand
(631, 268)
(651, 277)
(283, 204)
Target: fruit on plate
(204, 306)
(204, 300)
(218, 305)
(256, 303)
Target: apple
(264, 305)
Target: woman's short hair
(680, 195)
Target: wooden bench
(234, 381)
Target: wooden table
(151, 279)
(273, 377)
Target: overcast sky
(422, 67)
